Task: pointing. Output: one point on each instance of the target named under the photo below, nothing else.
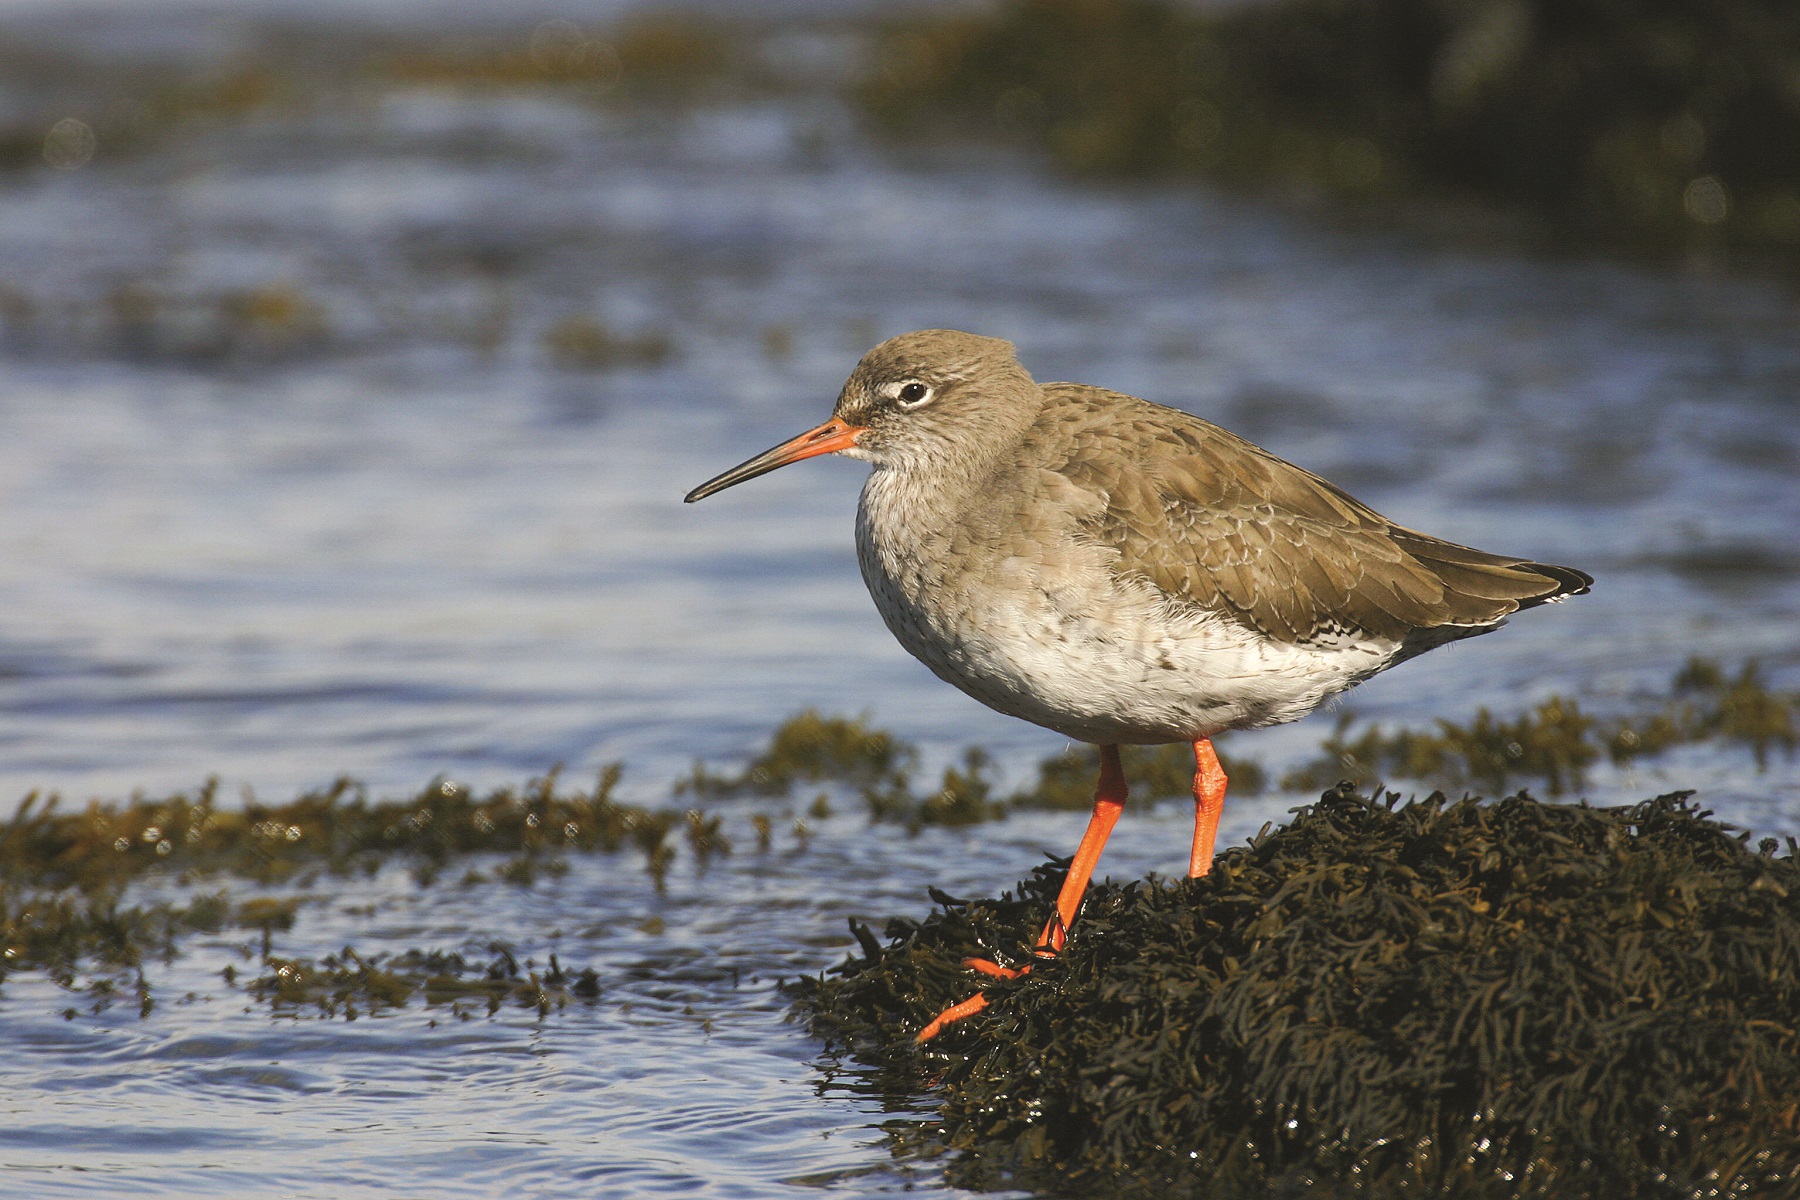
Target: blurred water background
(345, 414)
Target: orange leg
(955, 1012)
(1109, 802)
(1209, 802)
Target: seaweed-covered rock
(1436, 998)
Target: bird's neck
(932, 489)
(903, 508)
(938, 489)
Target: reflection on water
(352, 439)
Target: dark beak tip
(708, 488)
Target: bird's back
(1213, 520)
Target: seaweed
(1553, 743)
(646, 58)
(97, 946)
(1624, 122)
(584, 343)
(1556, 742)
(337, 829)
(1706, 705)
(348, 984)
(1455, 999)
(63, 875)
(1066, 781)
(810, 748)
(964, 797)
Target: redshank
(1121, 572)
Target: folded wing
(1214, 520)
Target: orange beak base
(829, 438)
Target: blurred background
(355, 357)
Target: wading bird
(1125, 573)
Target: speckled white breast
(1043, 630)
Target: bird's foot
(978, 1001)
(954, 1013)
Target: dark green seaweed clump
(1649, 122)
(810, 748)
(338, 829)
(342, 984)
(1436, 999)
(65, 877)
(1556, 742)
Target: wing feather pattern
(1214, 520)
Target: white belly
(1049, 635)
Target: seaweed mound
(1433, 999)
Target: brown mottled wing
(1213, 519)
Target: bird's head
(931, 398)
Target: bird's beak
(829, 438)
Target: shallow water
(401, 541)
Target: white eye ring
(913, 394)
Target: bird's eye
(914, 394)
